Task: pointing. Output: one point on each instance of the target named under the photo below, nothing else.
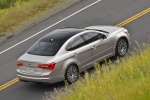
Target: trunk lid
(30, 63)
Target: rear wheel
(72, 73)
(122, 47)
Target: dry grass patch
(12, 17)
(18, 15)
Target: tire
(71, 74)
(121, 47)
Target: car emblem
(51, 40)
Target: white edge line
(49, 27)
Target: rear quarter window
(75, 43)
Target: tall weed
(128, 79)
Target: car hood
(106, 28)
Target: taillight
(19, 63)
(47, 66)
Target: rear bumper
(39, 78)
(33, 79)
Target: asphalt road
(105, 12)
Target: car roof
(61, 35)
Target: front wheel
(71, 74)
(121, 47)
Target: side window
(91, 37)
(75, 43)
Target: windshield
(45, 48)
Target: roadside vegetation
(9, 3)
(126, 79)
(15, 12)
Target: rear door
(100, 44)
(81, 52)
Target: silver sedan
(64, 53)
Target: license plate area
(30, 70)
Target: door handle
(94, 47)
(75, 54)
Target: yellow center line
(8, 84)
(134, 17)
(4, 86)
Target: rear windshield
(45, 48)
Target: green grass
(21, 11)
(9, 3)
(128, 79)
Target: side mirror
(103, 36)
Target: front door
(101, 47)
